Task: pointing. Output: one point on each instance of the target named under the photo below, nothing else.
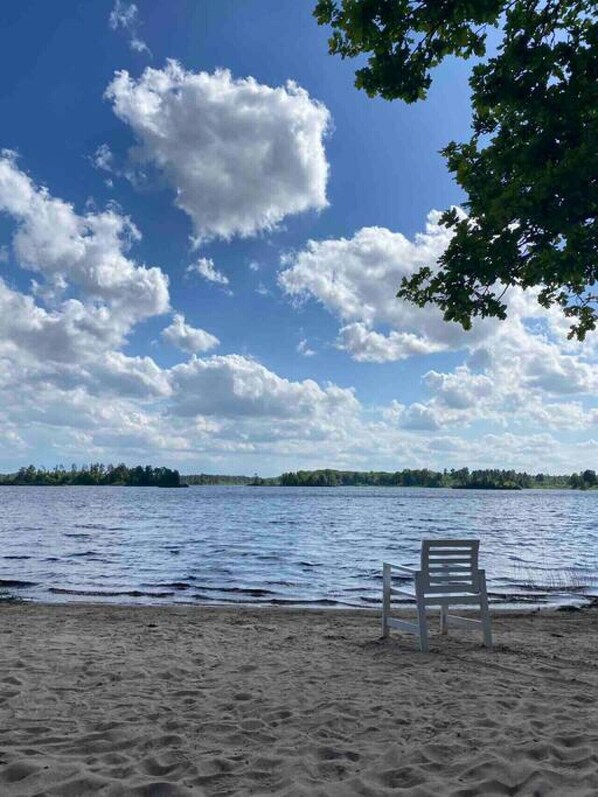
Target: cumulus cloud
(73, 333)
(66, 385)
(518, 394)
(351, 276)
(206, 269)
(416, 416)
(367, 345)
(517, 380)
(240, 155)
(560, 374)
(357, 279)
(90, 250)
(513, 373)
(123, 376)
(188, 338)
(460, 389)
(237, 386)
(60, 364)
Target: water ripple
(313, 547)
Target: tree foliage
(209, 479)
(139, 476)
(530, 169)
(422, 477)
(94, 474)
(462, 478)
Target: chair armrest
(402, 568)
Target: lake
(282, 545)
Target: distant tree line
(94, 474)
(584, 480)
(212, 478)
(147, 476)
(463, 478)
(349, 478)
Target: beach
(185, 700)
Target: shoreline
(297, 608)
(519, 603)
(487, 488)
(514, 607)
(202, 700)
(361, 612)
(407, 609)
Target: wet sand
(116, 700)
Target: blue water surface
(284, 545)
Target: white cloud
(87, 250)
(59, 360)
(73, 333)
(460, 390)
(416, 416)
(103, 158)
(139, 46)
(241, 156)
(357, 279)
(367, 345)
(129, 376)
(515, 373)
(67, 386)
(188, 338)
(521, 385)
(560, 374)
(233, 386)
(351, 277)
(206, 269)
(125, 16)
(520, 395)
(303, 348)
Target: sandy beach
(208, 701)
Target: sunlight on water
(316, 546)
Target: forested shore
(95, 474)
(98, 474)
(490, 479)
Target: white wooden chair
(449, 574)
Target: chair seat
(449, 593)
(439, 598)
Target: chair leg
(385, 599)
(444, 620)
(421, 616)
(484, 611)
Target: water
(307, 546)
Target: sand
(205, 701)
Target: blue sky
(198, 259)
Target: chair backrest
(450, 565)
